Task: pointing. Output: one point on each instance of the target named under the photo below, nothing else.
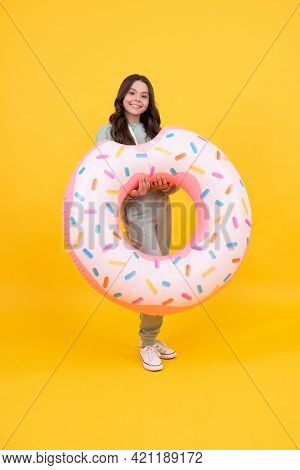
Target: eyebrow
(136, 90)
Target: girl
(146, 211)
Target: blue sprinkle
(213, 256)
(200, 290)
(136, 255)
(130, 275)
(87, 253)
(242, 183)
(95, 271)
(81, 198)
(141, 155)
(73, 221)
(231, 245)
(81, 170)
(175, 261)
(194, 148)
(108, 205)
(127, 172)
(118, 294)
(166, 283)
(227, 277)
(170, 135)
(219, 203)
(205, 193)
(173, 171)
(97, 228)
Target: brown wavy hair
(150, 118)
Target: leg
(149, 328)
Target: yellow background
(71, 374)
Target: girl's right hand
(144, 185)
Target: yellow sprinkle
(112, 191)
(151, 286)
(244, 204)
(161, 149)
(120, 151)
(118, 263)
(218, 219)
(78, 238)
(199, 170)
(208, 271)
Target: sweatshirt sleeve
(104, 133)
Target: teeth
(134, 106)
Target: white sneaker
(150, 358)
(164, 351)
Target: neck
(132, 118)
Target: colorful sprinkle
(116, 262)
(235, 222)
(107, 247)
(81, 198)
(97, 228)
(227, 277)
(121, 149)
(188, 270)
(236, 260)
(208, 271)
(95, 271)
(127, 172)
(229, 189)
(213, 237)
(231, 244)
(118, 294)
(170, 135)
(152, 170)
(138, 300)
(242, 183)
(186, 296)
(175, 261)
(173, 171)
(217, 175)
(248, 222)
(109, 173)
(94, 184)
(156, 263)
(219, 203)
(180, 156)
(204, 194)
(90, 211)
(79, 236)
(198, 170)
(161, 149)
(166, 283)
(218, 155)
(81, 170)
(141, 155)
(130, 275)
(151, 286)
(244, 204)
(102, 156)
(87, 253)
(194, 148)
(136, 255)
(105, 282)
(168, 301)
(212, 254)
(200, 290)
(109, 206)
(73, 221)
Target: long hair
(150, 118)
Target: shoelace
(151, 350)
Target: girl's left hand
(160, 183)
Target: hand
(160, 183)
(144, 185)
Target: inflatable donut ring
(157, 285)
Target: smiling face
(136, 101)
